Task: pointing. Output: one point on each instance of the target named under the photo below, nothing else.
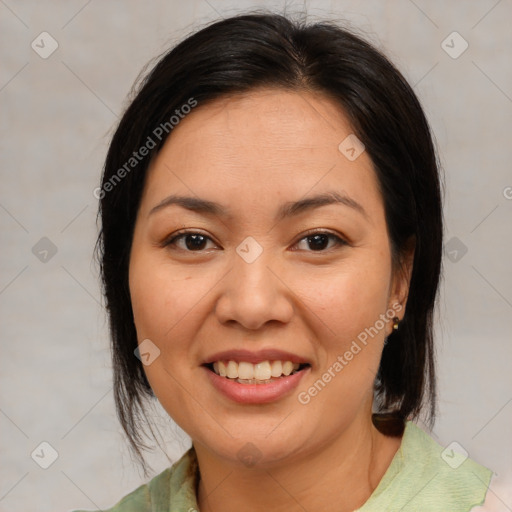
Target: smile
(255, 376)
(263, 372)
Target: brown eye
(319, 241)
(194, 242)
(189, 241)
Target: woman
(271, 249)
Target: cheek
(168, 310)
(348, 299)
(162, 298)
(349, 306)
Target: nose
(254, 294)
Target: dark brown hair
(251, 51)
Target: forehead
(280, 119)
(276, 143)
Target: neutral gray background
(57, 117)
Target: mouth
(263, 372)
(256, 377)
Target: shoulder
(172, 489)
(500, 492)
(426, 476)
(448, 473)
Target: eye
(318, 241)
(190, 241)
(193, 241)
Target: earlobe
(402, 277)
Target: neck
(338, 476)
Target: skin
(252, 153)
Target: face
(261, 248)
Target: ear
(401, 279)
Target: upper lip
(255, 356)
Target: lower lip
(256, 393)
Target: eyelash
(339, 242)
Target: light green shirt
(422, 477)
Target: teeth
(261, 372)
(287, 367)
(232, 370)
(245, 370)
(277, 369)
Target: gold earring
(396, 321)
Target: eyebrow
(286, 210)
